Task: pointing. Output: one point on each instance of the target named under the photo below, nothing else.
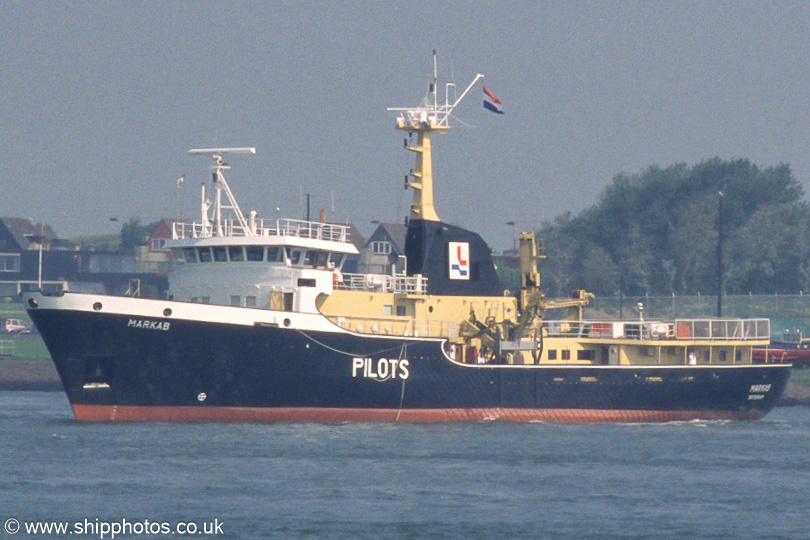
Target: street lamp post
(719, 254)
(514, 244)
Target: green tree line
(657, 232)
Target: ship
(262, 324)
(791, 347)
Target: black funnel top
(455, 261)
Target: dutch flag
(492, 103)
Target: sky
(100, 102)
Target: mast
(220, 225)
(429, 116)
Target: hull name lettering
(380, 370)
(148, 325)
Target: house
(153, 257)
(384, 251)
(31, 254)
(23, 244)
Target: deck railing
(680, 329)
(262, 227)
(382, 283)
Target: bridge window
(190, 255)
(205, 254)
(255, 253)
(220, 254)
(275, 254)
(335, 260)
(294, 256)
(236, 253)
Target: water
(373, 480)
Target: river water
(375, 480)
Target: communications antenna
(431, 115)
(220, 226)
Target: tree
(133, 234)
(656, 232)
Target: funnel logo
(459, 260)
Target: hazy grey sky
(100, 101)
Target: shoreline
(39, 375)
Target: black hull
(113, 369)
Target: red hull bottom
(106, 413)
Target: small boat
(263, 324)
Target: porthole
(167, 312)
(97, 306)
(286, 322)
(33, 303)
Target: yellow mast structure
(429, 116)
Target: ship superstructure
(264, 325)
(226, 259)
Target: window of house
(158, 244)
(400, 311)
(9, 262)
(381, 248)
